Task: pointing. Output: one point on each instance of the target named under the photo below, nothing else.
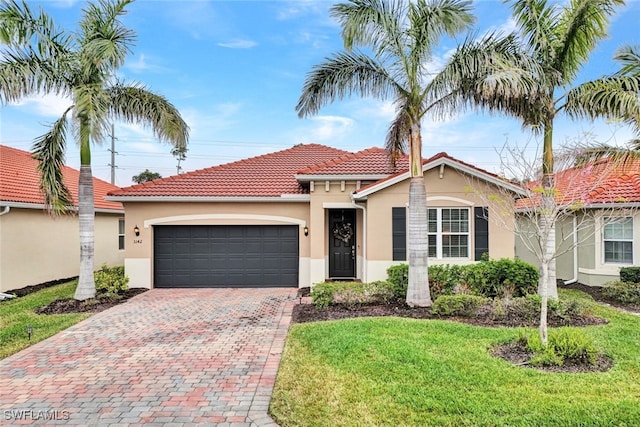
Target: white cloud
(48, 105)
(142, 64)
(329, 127)
(239, 44)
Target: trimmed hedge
(491, 279)
(630, 274)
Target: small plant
(457, 305)
(630, 274)
(322, 294)
(398, 278)
(566, 345)
(351, 294)
(111, 280)
(626, 292)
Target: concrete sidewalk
(165, 357)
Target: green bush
(492, 278)
(398, 277)
(351, 293)
(630, 274)
(527, 309)
(626, 292)
(457, 305)
(111, 279)
(565, 345)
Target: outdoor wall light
(306, 230)
(136, 230)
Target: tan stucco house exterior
(600, 232)
(37, 248)
(303, 215)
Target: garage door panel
(222, 256)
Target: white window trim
(609, 268)
(123, 234)
(439, 233)
(605, 221)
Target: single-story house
(601, 229)
(36, 247)
(301, 216)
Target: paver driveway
(165, 357)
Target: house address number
(137, 241)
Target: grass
(394, 371)
(17, 314)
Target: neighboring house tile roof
(269, 175)
(597, 183)
(19, 181)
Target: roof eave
(42, 206)
(295, 198)
(340, 177)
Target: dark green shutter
(399, 227)
(481, 236)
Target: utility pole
(113, 155)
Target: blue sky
(235, 70)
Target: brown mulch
(94, 305)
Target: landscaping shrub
(398, 277)
(630, 274)
(111, 279)
(492, 278)
(565, 345)
(457, 305)
(351, 293)
(626, 292)
(527, 309)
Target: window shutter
(481, 236)
(399, 229)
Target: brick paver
(168, 357)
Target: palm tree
(80, 65)
(559, 38)
(401, 37)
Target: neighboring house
(37, 248)
(601, 231)
(300, 216)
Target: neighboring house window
(448, 230)
(617, 236)
(120, 233)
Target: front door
(342, 243)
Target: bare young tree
(580, 197)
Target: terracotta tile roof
(601, 182)
(372, 161)
(269, 175)
(19, 181)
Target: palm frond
(92, 104)
(49, 150)
(397, 141)
(609, 97)
(371, 23)
(537, 22)
(629, 56)
(625, 156)
(582, 24)
(105, 41)
(136, 104)
(340, 76)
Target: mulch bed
(94, 305)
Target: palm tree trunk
(544, 339)
(418, 293)
(86, 212)
(547, 219)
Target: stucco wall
(139, 249)
(36, 248)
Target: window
(121, 233)
(617, 236)
(448, 230)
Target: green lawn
(394, 371)
(18, 313)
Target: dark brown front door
(342, 243)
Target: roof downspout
(575, 253)
(5, 210)
(364, 239)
